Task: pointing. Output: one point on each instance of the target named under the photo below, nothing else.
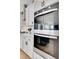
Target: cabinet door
(25, 43)
(28, 46)
(30, 15)
(27, 15)
(28, 37)
(21, 40)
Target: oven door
(49, 46)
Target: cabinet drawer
(30, 15)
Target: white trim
(47, 32)
(43, 54)
(53, 37)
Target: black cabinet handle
(29, 29)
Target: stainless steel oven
(47, 18)
(47, 45)
(46, 24)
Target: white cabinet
(27, 42)
(27, 38)
(21, 40)
(21, 44)
(30, 15)
(28, 45)
(37, 56)
(27, 14)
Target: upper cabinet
(24, 3)
(30, 15)
(43, 3)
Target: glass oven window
(48, 21)
(47, 45)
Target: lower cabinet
(28, 46)
(37, 56)
(21, 40)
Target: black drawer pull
(29, 29)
